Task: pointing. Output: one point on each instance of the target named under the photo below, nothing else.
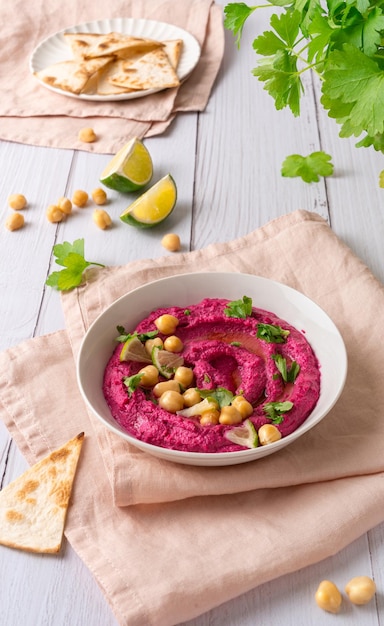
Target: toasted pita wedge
(33, 507)
(173, 49)
(71, 75)
(104, 86)
(152, 70)
(92, 45)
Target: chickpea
(14, 221)
(151, 343)
(328, 597)
(243, 406)
(65, 205)
(80, 198)
(173, 344)
(99, 196)
(268, 433)
(230, 415)
(360, 590)
(17, 201)
(184, 376)
(210, 418)
(54, 214)
(171, 401)
(150, 376)
(167, 385)
(171, 242)
(87, 135)
(101, 218)
(191, 397)
(166, 324)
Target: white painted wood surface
(226, 162)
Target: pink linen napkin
(32, 114)
(278, 505)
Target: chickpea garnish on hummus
(217, 376)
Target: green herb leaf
(239, 308)
(71, 257)
(288, 375)
(309, 167)
(222, 396)
(124, 336)
(236, 13)
(275, 410)
(271, 333)
(132, 382)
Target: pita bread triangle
(146, 71)
(33, 507)
(90, 45)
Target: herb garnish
(222, 396)
(70, 256)
(132, 382)
(288, 375)
(271, 333)
(124, 336)
(275, 410)
(341, 40)
(239, 308)
(309, 168)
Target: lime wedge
(244, 435)
(199, 408)
(130, 169)
(153, 206)
(166, 362)
(133, 350)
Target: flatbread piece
(151, 70)
(34, 506)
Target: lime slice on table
(244, 435)
(153, 206)
(166, 362)
(133, 350)
(130, 169)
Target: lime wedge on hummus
(165, 361)
(198, 409)
(133, 350)
(244, 435)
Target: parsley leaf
(123, 336)
(222, 396)
(132, 382)
(236, 14)
(288, 375)
(239, 308)
(341, 40)
(309, 168)
(271, 333)
(275, 410)
(71, 257)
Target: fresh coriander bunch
(343, 41)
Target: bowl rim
(247, 454)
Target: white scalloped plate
(55, 49)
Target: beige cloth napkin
(228, 529)
(30, 113)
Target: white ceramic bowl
(186, 289)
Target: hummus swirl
(224, 352)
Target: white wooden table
(226, 163)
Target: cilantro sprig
(71, 257)
(271, 333)
(124, 336)
(222, 395)
(308, 167)
(288, 374)
(341, 40)
(275, 410)
(239, 308)
(132, 382)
